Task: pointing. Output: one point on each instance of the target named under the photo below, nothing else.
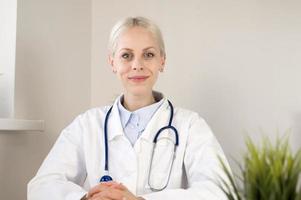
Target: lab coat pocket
(161, 164)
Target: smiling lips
(138, 78)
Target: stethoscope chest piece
(105, 178)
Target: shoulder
(186, 114)
(199, 131)
(83, 122)
(92, 112)
(89, 116)
(192, 121)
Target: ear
(111, 62)
(163, 58)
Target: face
(137, 61)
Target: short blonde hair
(130, 22)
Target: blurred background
(237, 63)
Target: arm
(201, 165)
(63, 170)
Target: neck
(134, 102)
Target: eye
(125, 55)
(149, 55)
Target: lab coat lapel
(144, 144)
(159, 120)
(122, 160)
(114, 123)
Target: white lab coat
(76, 161)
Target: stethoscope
(107, 177)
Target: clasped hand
(111, 191)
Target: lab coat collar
(114, 123)
(158, 120)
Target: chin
(138, 91)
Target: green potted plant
(268, 172)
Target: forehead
(136, 38)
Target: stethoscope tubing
(106, 139)
(107, 177)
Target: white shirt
(134, 123)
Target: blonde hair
(130, 22)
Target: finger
(120, 187)
(111, 193)
(99, 198)
(109, 183)
(100, 187)
(104, 184)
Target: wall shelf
(10, 124)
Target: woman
(117, 141)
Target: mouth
(138, 78)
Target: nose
(137, 64)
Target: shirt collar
(123, 113)
(142, 115)
(159, 119)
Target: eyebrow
(151, 47)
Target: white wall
(52, 83)
(237, 63)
